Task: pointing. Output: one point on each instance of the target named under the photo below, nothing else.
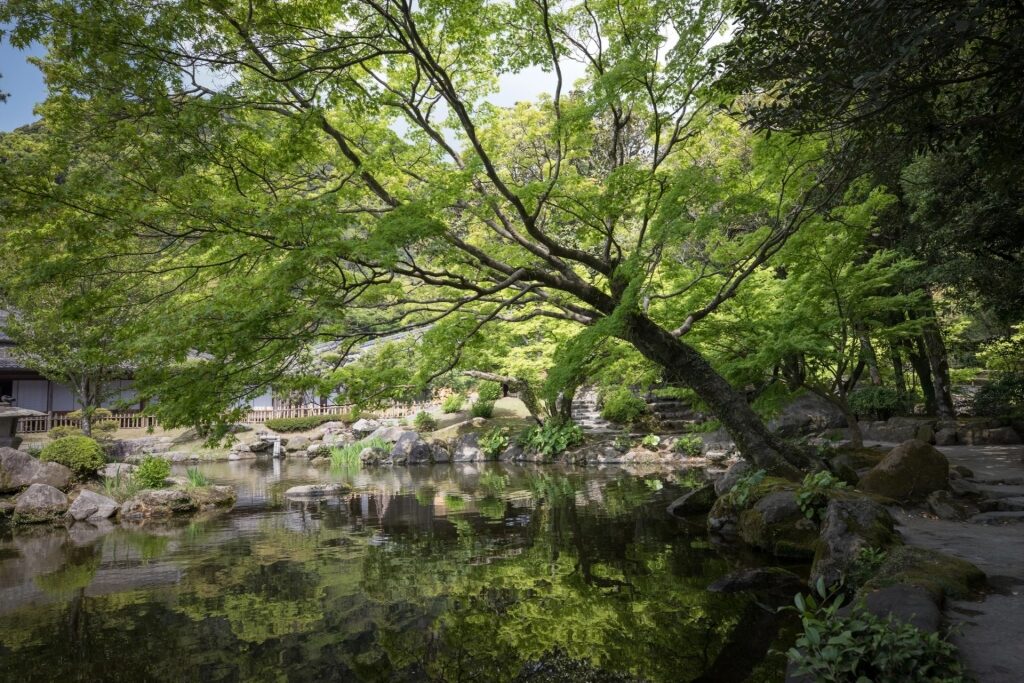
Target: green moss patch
(940, 574)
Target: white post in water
(277, 447)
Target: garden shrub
(424, 422)
(488, 391)
(1001, 396)
(104, 428)
(482, 409)
(879, 403)
(813, 494)
(551, 438)
(493, 442)
(690, 445)
(860, 646)
(651, 441)
(453, 403)
(62, 431)
(152, 472)
(97, 414)
(739, 494)
(79, 453)
(622, 406)
(302, 424)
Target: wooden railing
(44, 423)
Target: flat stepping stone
(996, 491)
(316, 491)
(1012, 504)
(1000, 517)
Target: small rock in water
(316, 491)
(92, 506)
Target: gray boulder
(439, 450)
(732, 475)
(943, 505)
(373, 456)
(40, 503)
(364, 427)
(316, 491)
(696, 501)
(298, 443)
(850, 524)
(113, 470)
(946, 436)
(466, 448)
(388, 433)
(777, 525)
(762, 579)
(91, 506)
(410, 448)
(908, 473)
(513, 453)
(156, 503)
(805, 414)
(19, 469)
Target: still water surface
(461, 573)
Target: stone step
(1000, 517)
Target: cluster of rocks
(48, 492)
(910, 583)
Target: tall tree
(344, 162)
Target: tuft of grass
(348, 456)
(121, 487)
(196, 478)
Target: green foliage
(453, 403)
(860, 646)
(302, 424)
(877, 402)
(739, 494)
(94, 414)
(651, 441)
(482, 409)
(689, 444)
(424, 422)
(621, 406)
(1005, 355)
(813, 494)
(1000, 397)
(79, 453)
(63, 430)
(152, 472)
(196, 477)
(494, 441)
(121, 487)
(623, 442)
(347, 456)
(551, 438)
(104, 429)
(864, 566)
(488, 391)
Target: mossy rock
(852, 522)
(724, 515)
(943, 576)
(908, 473)
(776, 525)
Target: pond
(461, 573)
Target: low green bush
(739, 494)
(813, 494)
(551, 438)
(482, 409)
(62, 431)
(152, 472)
(104, 428)
(879, 403)
(690, 445)
(860, 646)
(488, 391)
(79, 453)
(493, 442)
(97, 414)
(424, 422)
(348, 455)
(1000, 397)
(622, 406)
(302, 424)
(864, 566)
(453, 403)
(651, 442)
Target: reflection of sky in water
(416, 571)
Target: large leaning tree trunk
(682, 363)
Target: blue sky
(24, 84)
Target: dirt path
(990, 632)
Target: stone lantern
(9, 415)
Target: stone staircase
(673, 415)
